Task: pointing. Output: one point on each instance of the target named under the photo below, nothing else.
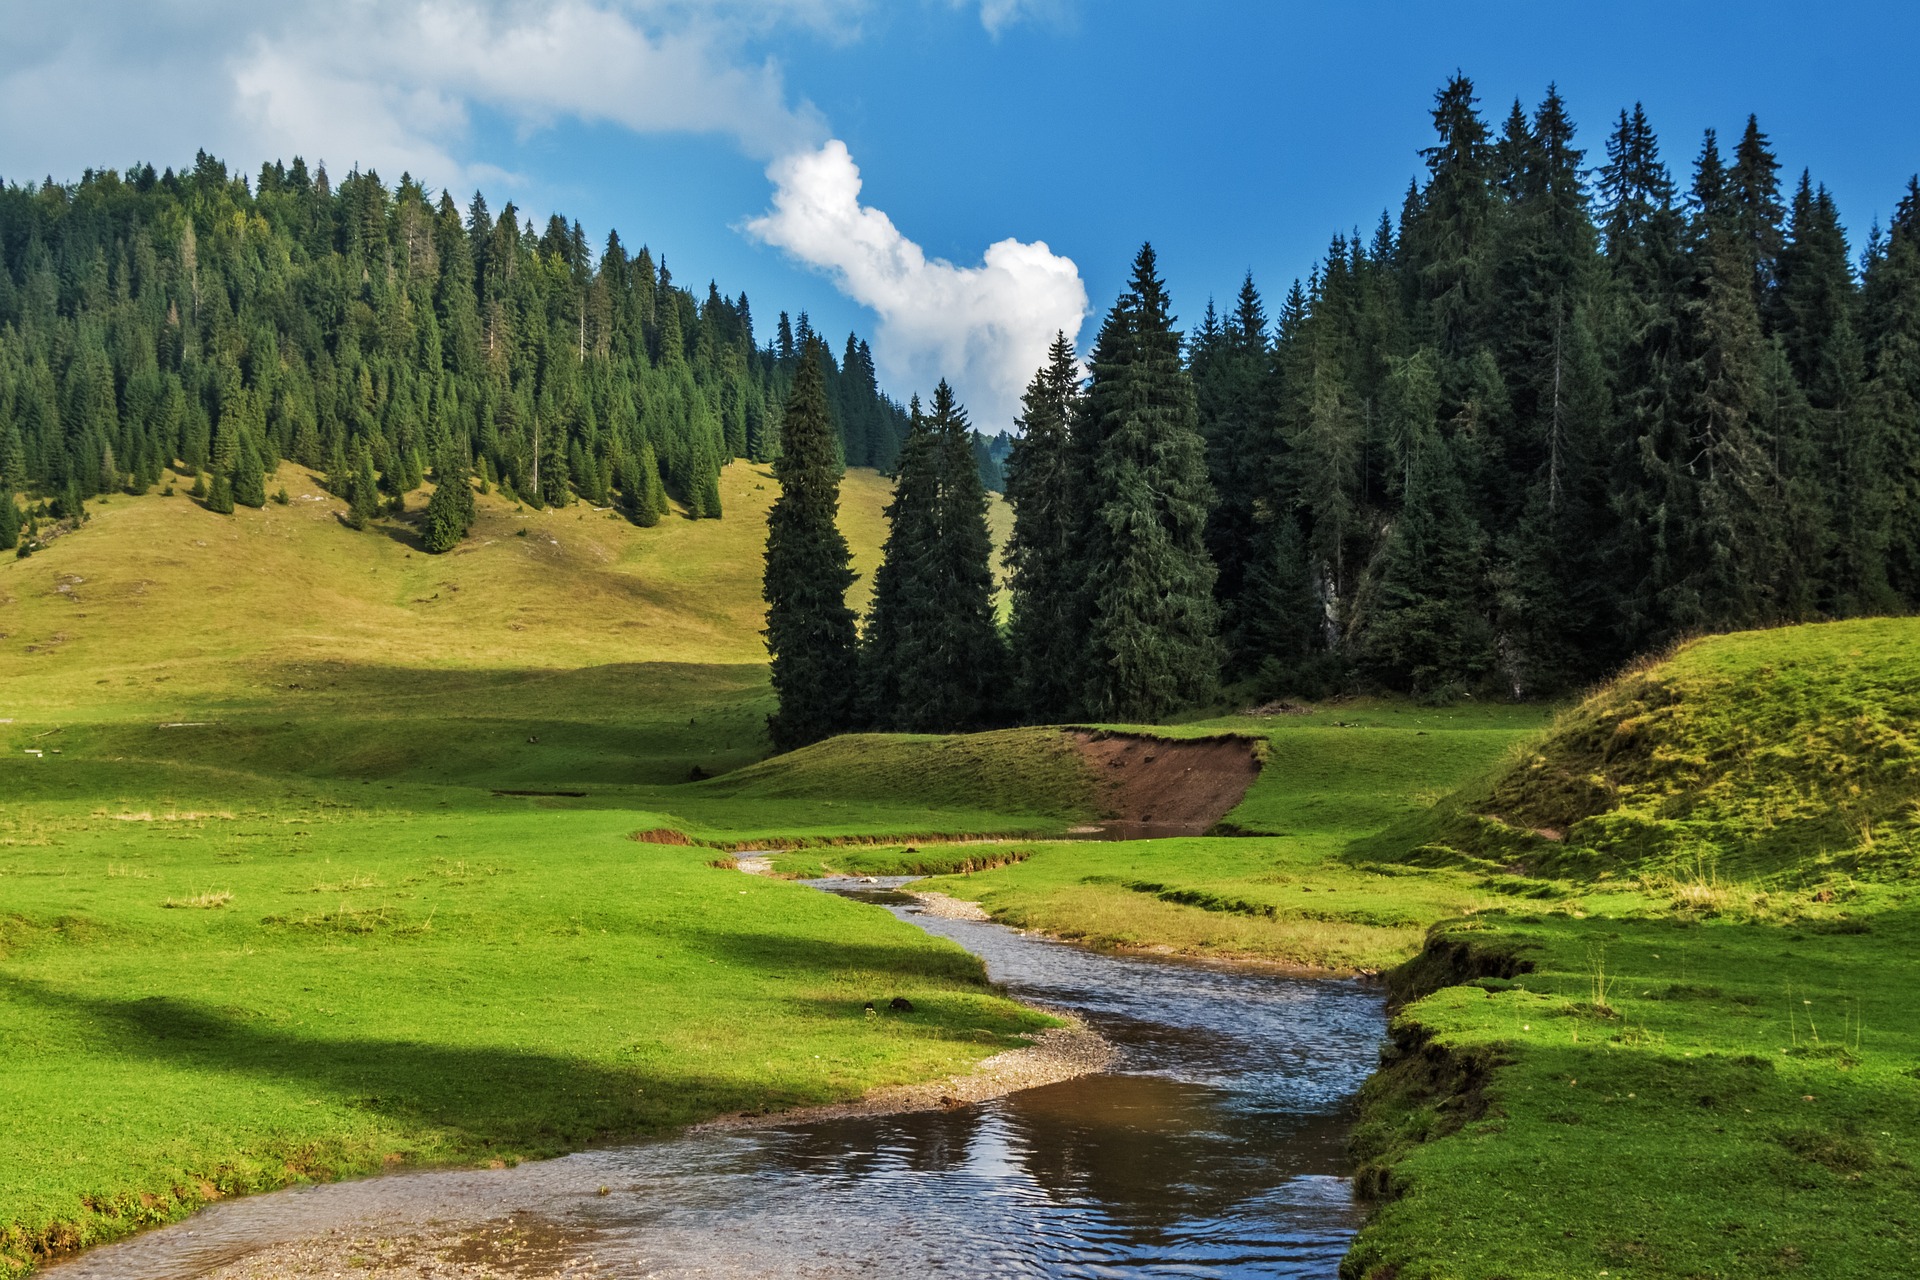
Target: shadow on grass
(476, 1098)
(915, 959)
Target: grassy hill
(1790, 754)
(1688, 1047)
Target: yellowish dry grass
(157, 602)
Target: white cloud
(388, 84)
(984, 328)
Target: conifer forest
(196, 320)
(1562, 407)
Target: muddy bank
(1171, 786)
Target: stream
(1212, 1147)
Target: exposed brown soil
(661, 835)
(1179, 786)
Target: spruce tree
(810, 632)
(1232, 386)
(249, 476)
(450, 511)
(220, 497)
(1428, 632)
(637, 481)
(1847, 461)
(1043, 552)
(935, 661)
(1892, 324)
(9, 518)
(1152, 647)
(1724, 543)
(363, 495)
(900, 591)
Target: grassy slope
(398, 943)
(1330, 776)
(1713, 1067)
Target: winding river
(1213, 1146)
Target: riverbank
(204, 1000)
(1213, 1145)
(1650, 1016)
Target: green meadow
(266, 914)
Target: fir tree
(1231, 374)
(249, 476)
(9, 518)
(1892, 324)
(1428, 632)
(1152, 646)
(363, 495)
(810, 631)
(220, 497)
(900, 594)
(1043, 551)
(933, 639)
(642, 496)
(450, 511)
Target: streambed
(1212, 1146)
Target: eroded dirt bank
(1170, 786)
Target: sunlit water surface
(1213, 1147)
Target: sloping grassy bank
(1701, 1057)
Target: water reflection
(1213, 1148)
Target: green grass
(1711, 1063)
(263, 918)
(1746, 1105)
(414, 980)
(1290, 898)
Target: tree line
(199, 322)
(1545, 419)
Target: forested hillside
(193, 317)
(1554, 415)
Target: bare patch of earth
(1169, 784)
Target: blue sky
(1234, 135)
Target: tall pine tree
(1043, 553)
(933, 644)
(811, 636)
(1152, 647)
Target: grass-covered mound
(1697, 1052)
(1792, 753)
(967, 784)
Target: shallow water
(1213, 1147)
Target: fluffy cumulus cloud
(984, 328)
(395, 85)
